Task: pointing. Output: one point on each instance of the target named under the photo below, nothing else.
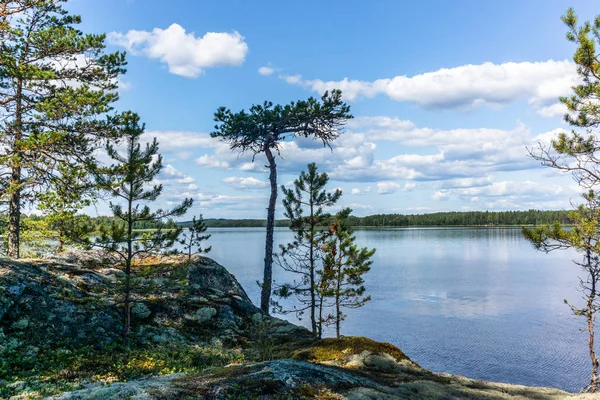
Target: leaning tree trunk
(265, 295)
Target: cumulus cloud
(466, 86)
(244, 182)
(387, 187)
(360, 192)
(441, 195)
(184, 53)
(170, 141)
(211, 161)
(266, 71)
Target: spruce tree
(304, 208)
(345, 265)
(56, 88)
(263, 129)
(193, 238)
(129, 180)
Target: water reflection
(476, 302)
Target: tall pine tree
(129, 181)
(263, 129)
(56, 88)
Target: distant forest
(469, 218)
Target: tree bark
(127, 302)
(338, 291)
(594, 379)
(313, 300)
(265, 297)
(14, 212)
(14, 216)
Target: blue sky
(446, 96)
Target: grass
(52, 372)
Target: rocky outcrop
(71, 302)
(371, 371)
(74, 298)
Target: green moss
(339, 349)
(50, 372)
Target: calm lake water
(476, 302)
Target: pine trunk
(127, 302)
(14, 212)
(338, 293)
(313, 300)
(14, 216)
(265, 296)
(594, 379)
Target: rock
(204, 314)
(290, 379)
(210, 278)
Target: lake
(479, 302)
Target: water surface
(476, 302)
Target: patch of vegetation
(45, 373)
(333, 349)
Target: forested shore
(455, 218)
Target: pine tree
(577, 153)
(263, 129)
(68, 193)
(56, 88)
(302, 256)
(584, 238)
(344, 267)
(128, 181)
(194, 237)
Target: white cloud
(466, 86)
(245, 183)
(211, 162)
(468, 182)
(387, 187)
(184, 53)
(266, 71)
(553, 110)
(170, 141)
(441, 195)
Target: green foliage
(577, 153)
(127, 180)
(56, 87)
(68, 193)
(266, 125)
(304, 208)
(194, 237)
(452, 218)
(263, 129)
(50, 372)
(345, 265)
